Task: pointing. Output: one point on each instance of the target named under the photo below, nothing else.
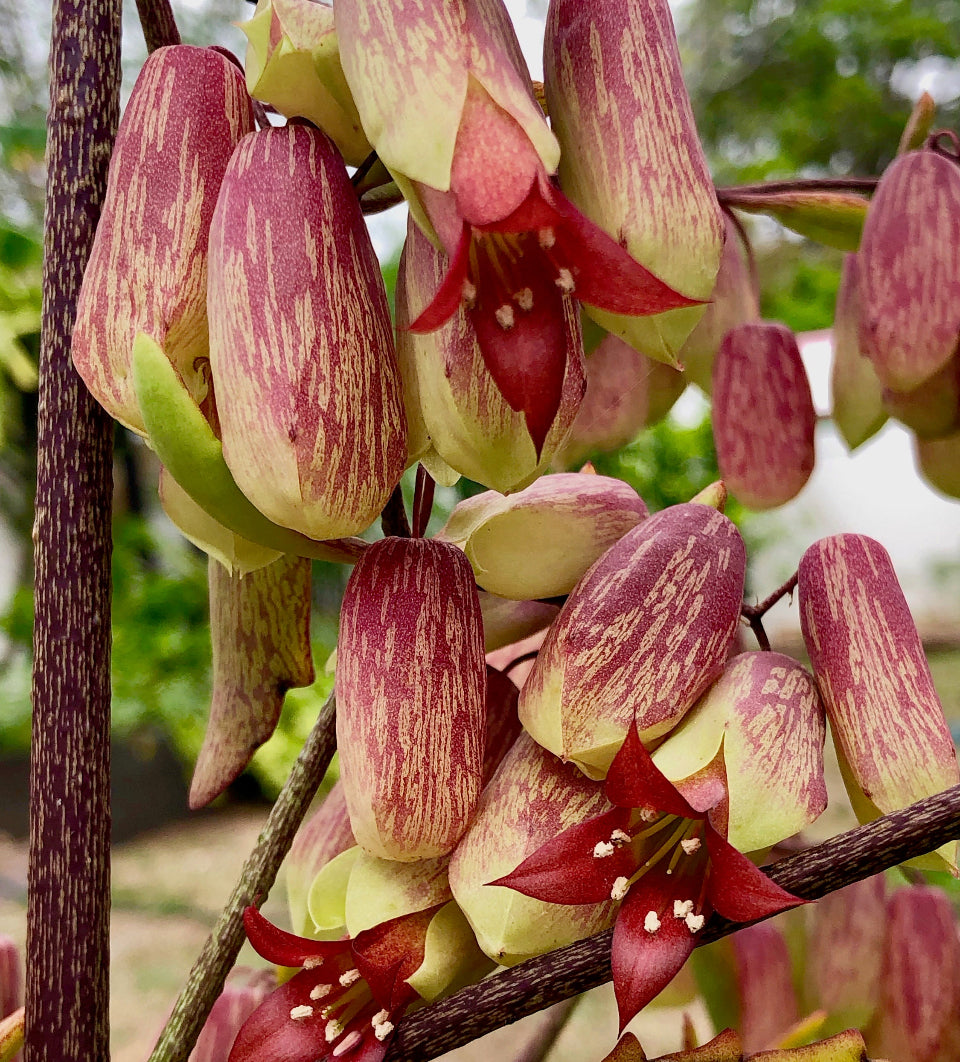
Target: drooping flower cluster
(234, 314)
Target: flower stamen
(651, 922)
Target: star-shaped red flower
(667, 863)
(346, 999)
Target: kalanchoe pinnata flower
(640, 638)
(910, 313)
(11, 976)
(458, 126)
(410, 687)
(664, 860)
(260, 630)
(539, 542)
(887, 721)
(455, 410)
(735, 301)
(148, 266)
(626, 392)
(631, 158)
(346, 999)
(763, 415)
(308, 388)
(293, 63)
(750, 752)
(243, 992)
(531, 798)
(857, 393)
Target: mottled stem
(209, 972)
(159, 25)
(754, 614)
(68, 886)
(506, 997)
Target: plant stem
(506, 997)
(68, 901)
(209, 972)
(754, 614)
(159, 25)
(865, 185)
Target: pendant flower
(663, 858)
(346, 999)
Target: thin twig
(159, 25)
(259, 873)
(754, 614)
(506, 997)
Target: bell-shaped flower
(244, 991)
(531, 798)
(301, 347)
(410, 686)
(856, 391)
(750, 752)
(660, 856)
(641, 636)
(293, 63)
(459, 128)
(148, 266)
(631, 159)
(735, 301)
(455, 410)
(538, 543)
(260, 632)
(626, 392)
(347, 997)
(768, 999)
(888, 726)
(910, 269)
(763, 415)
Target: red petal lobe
(635, 782)
(282, 948)
(737, 888)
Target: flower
(458, 127)
(345, 1000)
(667, 863)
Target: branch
(754, 614)
(506, 997)
(209, 972)
(159, 25)
(68, 890)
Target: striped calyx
(888, 725)
(910, 269)
(260, 630)
(751, 751)
(301, 346)
(148, 267)
(293, 63)
(640, 638)
(455, 409)
(411, 687)
(631, 159)
(539, 542)
(763, 415)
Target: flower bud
(538, 543)
(293, 63)
(910, 269)
(148, 266)
(308, 389)
(752, 751)
(626, 392)
(532, 798)
(454, 406)
(260, 629)
(631, 159)
(888, 725)
(735, 301)
(763, 415)
(11, 976)
(641, 637)
(857, 393)
(410, 686)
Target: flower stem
(158, 23)
(754, 614)
(537, 983)
(206, 979)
